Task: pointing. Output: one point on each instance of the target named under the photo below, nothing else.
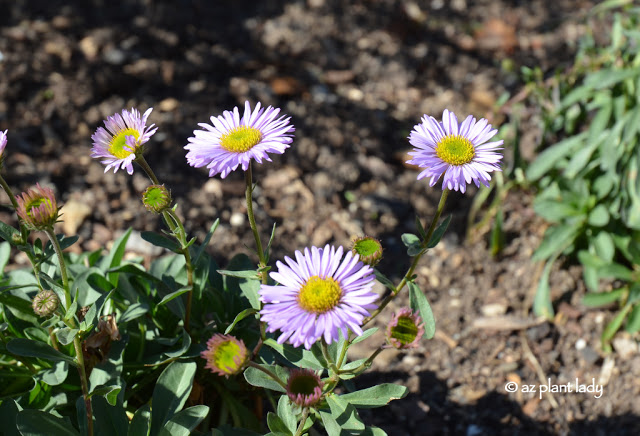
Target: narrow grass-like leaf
(239, 317)
(437, 234)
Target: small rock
(168, 104)
(213, 187)
(625, 346)
(114, 56)
(237, 219)
(581, 344)
(493, 309)
(589, 355)
(89, 47)
(136, 244)
(74, 213)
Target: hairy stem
(303, 420)
(416, 259)
(63, 266)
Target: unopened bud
(156, 198)
(45, 303)
(369, 249)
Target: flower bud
(225, 355)
(405, 329)
(45, 303)
(304, 387)
(37, 208)
(369, 249)
(156, 198)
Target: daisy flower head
(225, 355)
(321, 293)
(405, 329)
(304, 387)
(121, 139)
(232, 140)
(459, 151)
(37, 208)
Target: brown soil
(355, 76)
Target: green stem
(365, 364)
(252, 219)
(327, 357)
(84, 383)
(177, 228)
(63, 267)
(303, 420)
(76, 340)
(416, 259)
(269, 373)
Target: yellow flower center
(455, 150)
(118, 146)
(319, 295)
(241, 139)
(224, 357)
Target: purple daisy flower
(460, 151)
(122, 139)
(3, 141)
(321, 293)
(231, 141)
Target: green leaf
(174, 294)
(437, 234)
(419, 302)
(599, 216)
(421, 232)
(109, 420)
(556, 240)
(633, 322)
(595, 299)
(7, 232)
(56, 375)
(255, 377)
(604, 246)
(29, 348)
(5, 252)
(373, 431)
(66, 335)
(277, 425)
(185, 421)
(384, 280)
(376, 396)
(110, 393)
(550, 157)
(207, 238)
(171, 392)
(553, 210)
(141, 422)
(113, 259)
(250, 274)
(298, 356)
(286, 413)
(8, 413)
(606, 78)
(542, 301)
(250, 288)
(161, 241)
(134, 311)
(36, 423)
(239, 317)
(610, 330)
(409, 239)
(364, 335)
(345, 414)
(616, 271)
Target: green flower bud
(369, 249)
(45, 303)
(156, 198)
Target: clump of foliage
(587, 174)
